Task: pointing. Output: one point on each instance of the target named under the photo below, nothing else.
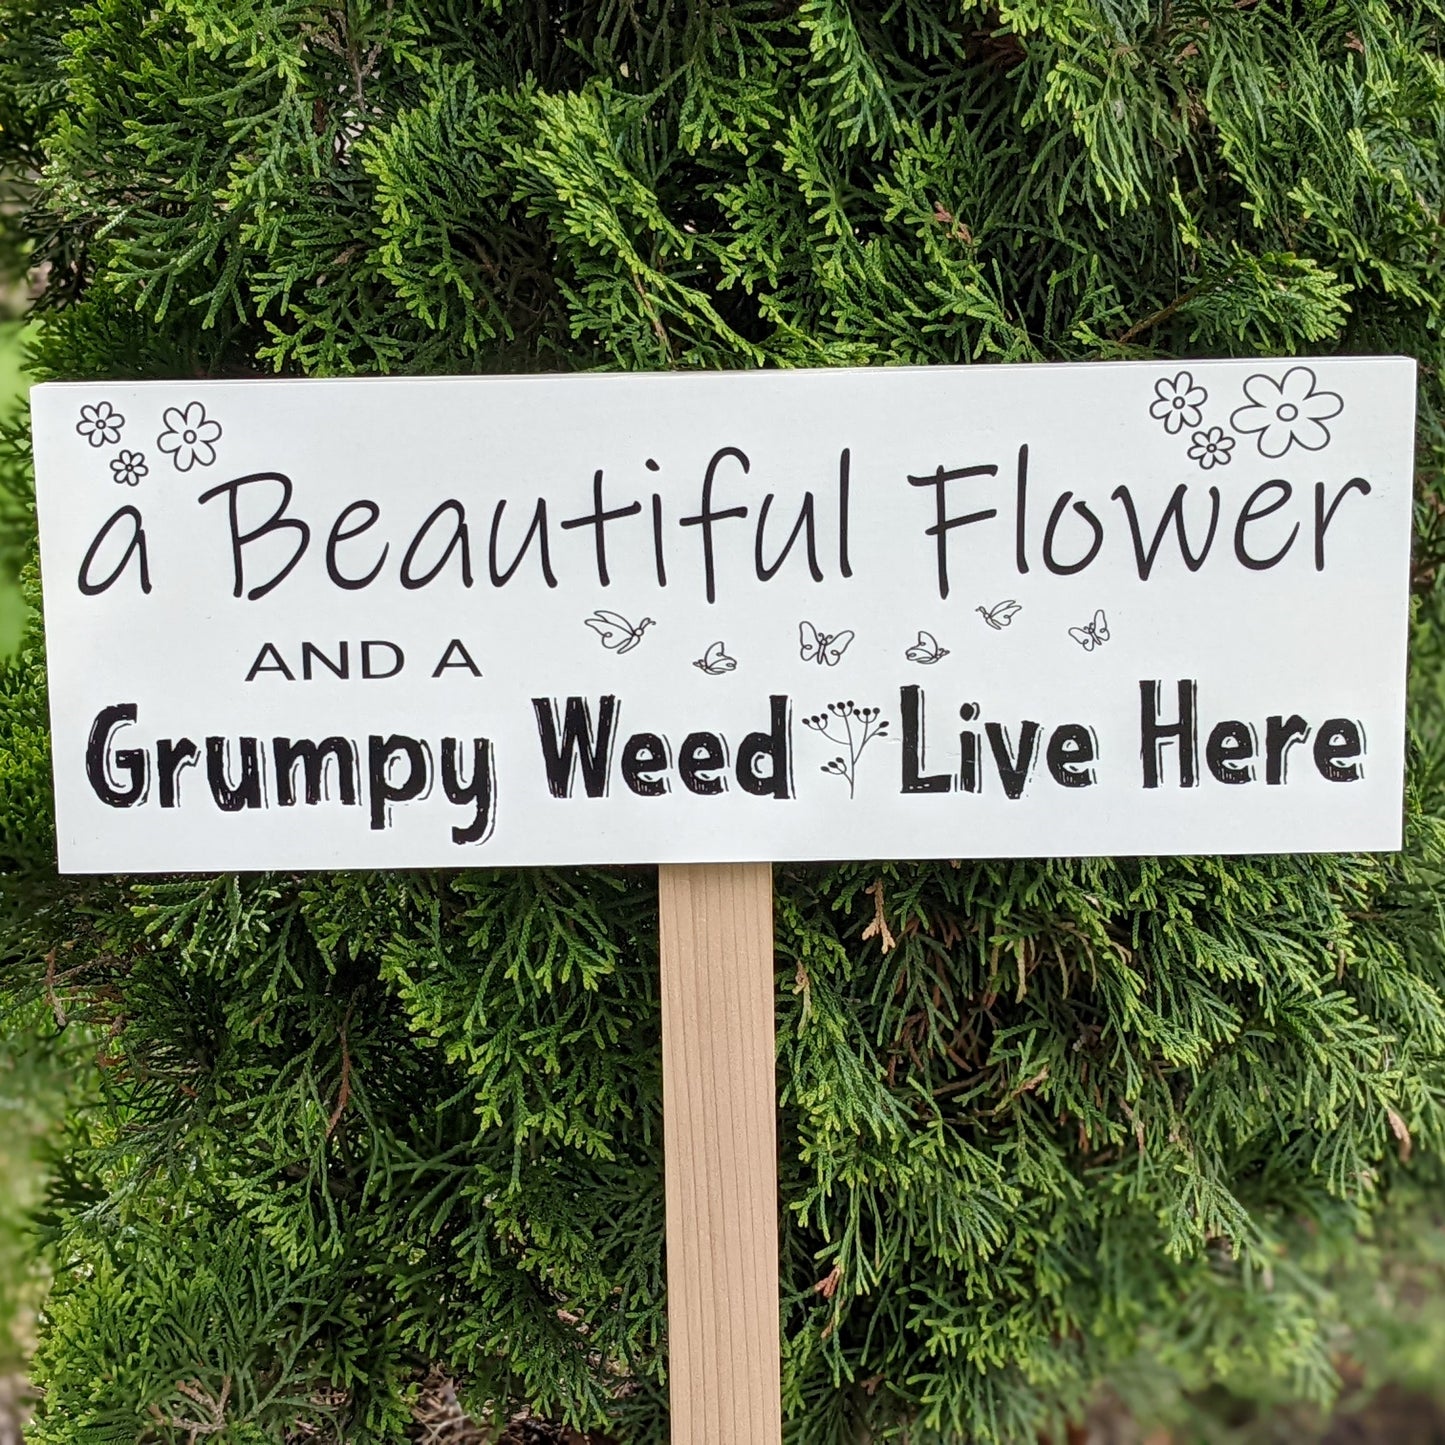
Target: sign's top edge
(772, 373)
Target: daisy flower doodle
(1288, 412)
(189, 436)
(1178, 402)
(127, 468)
(100, 424)
(1211, 447)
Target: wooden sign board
(694, 619)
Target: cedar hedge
(342, 1137)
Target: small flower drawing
(128, 468)
(1178, 402)
(1287, 412)
(188, 436)
(1211, 448)
(100, 424)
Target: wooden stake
(719, 1094)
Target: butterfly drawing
(617, 633)
(1000, 614)
(822, 647)
(715, 660)
(1092, 634)
(926, 650)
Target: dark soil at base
(1393, 1417)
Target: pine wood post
(719, 1095)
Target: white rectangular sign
(939, 612)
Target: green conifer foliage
(1037, 1119)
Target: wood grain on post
(720, 1139)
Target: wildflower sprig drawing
(850, 727)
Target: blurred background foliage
(12, 397)
(34, 1082)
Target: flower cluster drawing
(1279, 413)
(188, 436)
(843, 716)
